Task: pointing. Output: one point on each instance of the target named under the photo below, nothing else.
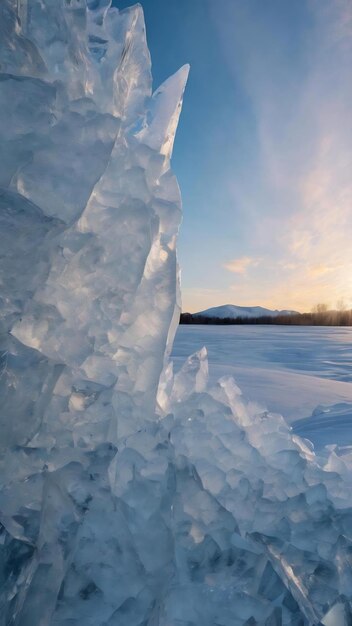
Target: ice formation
(130, 496)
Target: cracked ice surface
(130, 496)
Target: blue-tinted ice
(130, 496)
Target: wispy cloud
(299, 211)
(240, 266)
(315, 271)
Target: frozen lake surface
(294, 371)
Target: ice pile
(130, 496)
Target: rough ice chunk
(339, 615)
(130, 496)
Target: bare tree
(320, 308)
(341, 305)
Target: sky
(263, 152)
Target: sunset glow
(263, 154)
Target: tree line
(319, 316)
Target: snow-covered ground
(287, 370)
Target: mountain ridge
(234, 311)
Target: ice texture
(130, 496)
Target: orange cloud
(320, 270)
(240, 265)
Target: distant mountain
(233, 311)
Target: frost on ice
(130, 496)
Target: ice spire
(94, 212)
(164, 112)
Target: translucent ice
(130, 496)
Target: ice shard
(130, 496)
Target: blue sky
(263, 152)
